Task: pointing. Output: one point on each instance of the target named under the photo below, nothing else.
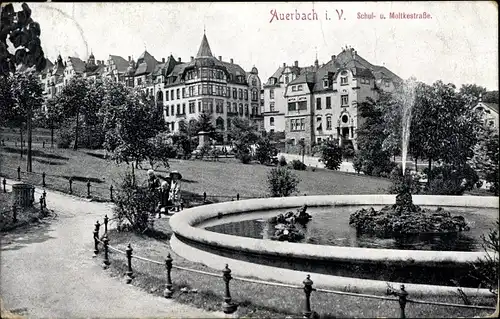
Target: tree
(159, 150)
(282, 182)
(7, 102)
(27, 93)
(491, 97)
(486, 158)
(331, 155)
(24, 34)
(265, 150)
(475, 92)
(204, 124)
(244, 134)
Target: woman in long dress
(175, 189)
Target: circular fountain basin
(334, 265)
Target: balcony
(181, 116)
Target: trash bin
(23, 194)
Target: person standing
(165, 202)
(175, 189)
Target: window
(191, 107)
(228, 107)
(172, 95)
(172, 108)
(328, 122)
(302, 105)
(343, 78)
(167, 109)
(345, 118)
(211, 107)
(292, 125)
(294, 88)
(166, 95)
(183, 92)
(319, 123)
(325, 84)
(241, 109)
(271, 121)
(240, 94)
(344, 99)
(184, 108)
(491, 123)
(139, 81)
(235, 94)
(271, 107)
(286, 79)
(246, 95)
(328, 102)
(228, 123)
(246, 109)
(254, 82)
(210, 89)
(299, 87)
(178, 109)
(318, 103)
(235, 108)
(302, 124)
(271, 94)
(292, 106)
(191, 91)
(228, 92)
(254, 95)
(199, 107)
(178, 93)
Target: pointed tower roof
(204, 50)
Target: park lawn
(256, 300)
(221, 180)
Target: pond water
(330, 226)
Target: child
(175, 189)
(164, 197)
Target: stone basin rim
(184, 225)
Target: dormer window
(294, 88)
(325, 83)
(299, 88)
(343, 78)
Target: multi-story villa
(321, 101)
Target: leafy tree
(371, 135)
(6, 101)
(331, 155)
(27, 92)
(244, 134)
(282, 182)
(24, 34)
(473, 91)
(204, 124)
(264, 151)
(159, 150)
(491, 97)
(486, 158)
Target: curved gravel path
(48, 271)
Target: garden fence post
(167, 293)
(70, 185)
(238, 196)
(19, 173)
(41, 205)
(228, 306)
(308, 288)
(105, 263)
(14, 214)
(129, 264)
(44, 198)
(111, 192)
(43, 179)
(43, 144)
(4, 182)
(106, 219)
(96, 241)
(204, 197)
(97, 226)
(88, 189)
(403, 295)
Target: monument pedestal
(23, 194)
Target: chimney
(192, 58)
(231, 60)
(162, 60)
(129, 58)
(316, 63)
(296, 63)
(220, 57)
(179, 59)
(284, 64)
(333, 57)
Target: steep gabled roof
(120, 63)
(77, 64)
(146, 64)
(204, 50)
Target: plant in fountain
(285, 225)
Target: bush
(316, 149)
(282, 161)
(488, 268)
(282, 182)
(331, 155)
(448, 180)
(348, 151)
(65, 136)
(134, 204)
(264, 151)
(298, 165)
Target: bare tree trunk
(133, 174)
(21, 132)
(75, 147)
(416, 164)
(29, 167)
(52, 136)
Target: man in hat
(153, 181)
(175, 189)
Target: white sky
(459, 44)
